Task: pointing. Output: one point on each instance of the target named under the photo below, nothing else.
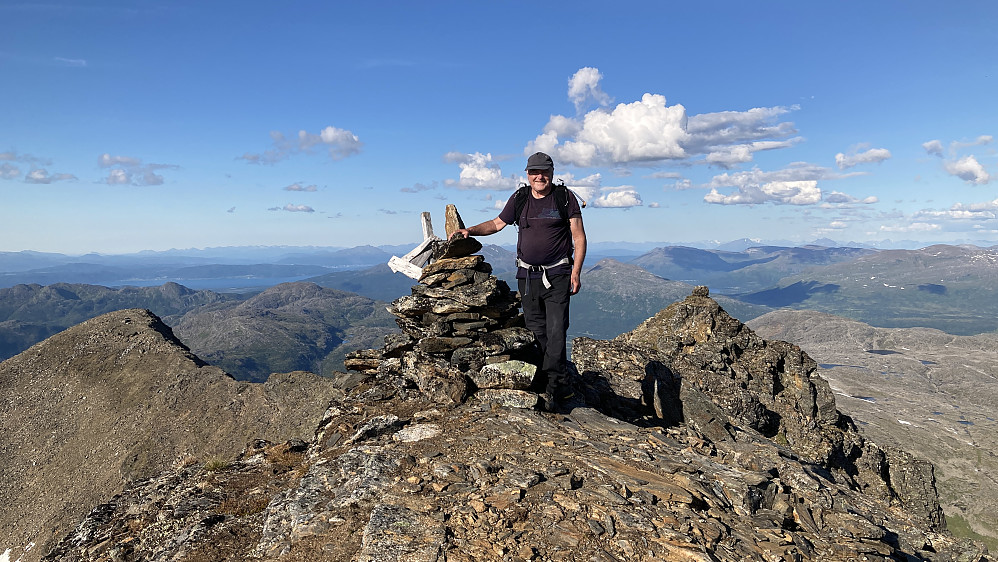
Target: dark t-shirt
(543, 237)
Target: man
(550, 249)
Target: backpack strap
(561, 199)
(519, 202)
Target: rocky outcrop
(922, 390)
(117, 399)
(694, 362)
(693, 445)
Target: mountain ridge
(117, 399)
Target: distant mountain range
(31, 313)
(752, 269)
(616, 297)
(950, 288)
(289, 327)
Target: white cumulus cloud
(478, 171)
(854, 158)
(299, 187)
(913, 227)
(42, 176)
(586, 193)
(646, 130)
(666, 175)
(618, 198)
(118, 176)
(417, 187)
(985, 211)
(649, 130)
(9, 172)
(592, 180)
(339, 143)
(291, 208)
(584, 85)
(106, 161)
(839, 197)
(126, 170)
(968, 169)
(979, 141)
(933, 147)
(804, 192)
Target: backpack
(520, 201)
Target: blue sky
(154, 125)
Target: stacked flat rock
(462, 334)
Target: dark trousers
(545, 312)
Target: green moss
(214, 464)
(961, 528)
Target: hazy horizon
(510, 245)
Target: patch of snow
(902, 422)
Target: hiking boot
(547, 403)
(568, 400)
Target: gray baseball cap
(539, 161)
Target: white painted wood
(405, 267)
(423, 257)
(420, 248)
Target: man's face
(540, 179)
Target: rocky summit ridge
(693, 439)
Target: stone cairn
(462, 332)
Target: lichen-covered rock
(436, 379)
(514, 375)
(508, 398)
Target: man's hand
(576, 284)
(484, 229)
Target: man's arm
(579, 241)
(482, 229)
